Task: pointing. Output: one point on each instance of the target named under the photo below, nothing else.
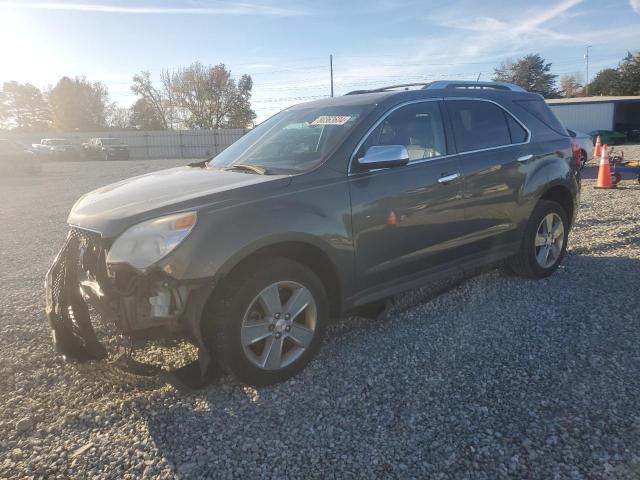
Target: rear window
(542, 112)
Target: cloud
(514, 31)
(215, 8)
(635, 4)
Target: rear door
(494, 151)
(406, 219)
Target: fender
(319, 217)
(553, 172)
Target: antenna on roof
(479, 75)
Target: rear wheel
(584, 158)
(544, 242)
(267, 322)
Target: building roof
(586, 100)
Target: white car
(585, 142)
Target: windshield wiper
(245, 167)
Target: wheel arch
(562, 195)
(301, 251)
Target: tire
(237, 315)
(526, 263)
(584, 158)
(615, 178)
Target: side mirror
(384, 156)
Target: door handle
(448, 178)
(525, 158)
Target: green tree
(23, 107)
(77, 104)
(605, 82)
(145, 117)
(629, 75)
(531, 73)
(207, 97)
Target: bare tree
(570, 85)
(119, 118)
(159, 100)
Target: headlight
(148, 242)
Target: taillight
(575, 148)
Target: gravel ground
(497, 377)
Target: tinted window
(478, 125)
(542, 112)
(518, 134)
(417, 126)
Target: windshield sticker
(331, 120)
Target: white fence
(153, 144)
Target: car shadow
(229, 427)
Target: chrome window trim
(393, 109)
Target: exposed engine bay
(129, 303)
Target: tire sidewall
(228, 346)
(544, 208)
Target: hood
(111, 209)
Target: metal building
(587, 114)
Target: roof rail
(453, 84)
(384, 89)
(447, 84)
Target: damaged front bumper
(129, 303)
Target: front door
(407, 219)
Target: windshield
(57, 142)
(293, 141)
(110, 141)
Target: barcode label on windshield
(331, 120)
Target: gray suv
(323, 208)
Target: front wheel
(544, 242)
(267, 322)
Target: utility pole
(331, 71)
(586, 61)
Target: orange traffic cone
(597, 148)
(392, 221)
(604, 173)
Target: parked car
(56, 148)
(15, 158)
(585, 143)
(608, 137)
(630, 131)
(106, 149)
(323, 208)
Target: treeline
(198, 96)
(533, 73)
(206, 97)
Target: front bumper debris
(128, 303)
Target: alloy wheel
(279, 325)
(549, 240)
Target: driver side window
(417, 126)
